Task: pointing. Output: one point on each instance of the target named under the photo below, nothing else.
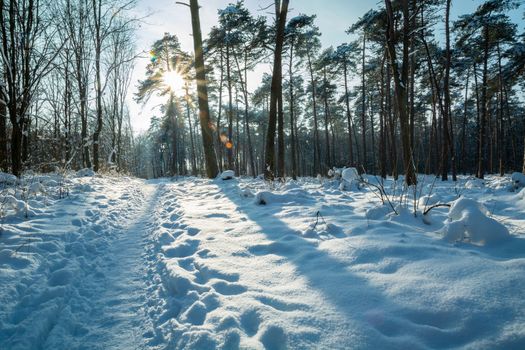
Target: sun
(174, 81)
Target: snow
(469, 221)
(7, 179)
(350, 174)
(227, 175)
(518, 180)
(85, 172)
(228, 10)
(193, 263)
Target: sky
(333, 18)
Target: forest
(258, 175)
(409, 91)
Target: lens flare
(174, 81)
(153, 56)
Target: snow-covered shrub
(246, 193)
(518, 180)
(11, 202)
(350, 174)
(474, 184)
(7, 179)
(336, 173)
(36, 188)
(349, 179)
(468, 220)
(227, 175)
(430, 199)
(86, 172)
(292, 196)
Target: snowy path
(197, 264)
(232, 278)
(88, 289)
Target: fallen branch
(427, 210)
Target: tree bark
(348, 116)
(484, 105)
(400, 84)
(363, 106)
(202, 91)
(269, 171)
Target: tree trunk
(202, 91)
(3, 138)
(292, 117)
(446, 108)
(229, 144)
(400, 84)
(97, 10)
(363, 106)
(317, 149)
(269, 171)
(501, 138)
(348, 116)
(484, 105)
(219, 132)
(327, 162)
(464, 128)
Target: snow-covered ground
(123, 263)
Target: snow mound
(474, 184)
(429, 199)
(468, 220)
(379, 212)
(36, 188)
(10, 202)
(86, 172)
(266, 197)
(7, 179)
(336, 173)
(350, 178)
(292, 196)
(518, 180)
(350, 174)
(227, 175)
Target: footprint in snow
(280, 305)
(274, 338)
(217, 215)
(192, 231)
(250, 322)
(196, 314)
(276, 248)
(182, 250)
(226, 288)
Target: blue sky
(333, 18)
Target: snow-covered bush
(7, 179)
(474, 184)
(36, 188)
(349, 179)
(518, 180)
(350, 174)
(86, 172)
(335, 173)
(267, 197)
(11, 202)
(468, 220)
(227, 175)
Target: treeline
(65, 70)
(409, 91)
(412, 91)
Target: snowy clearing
(123, 263)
